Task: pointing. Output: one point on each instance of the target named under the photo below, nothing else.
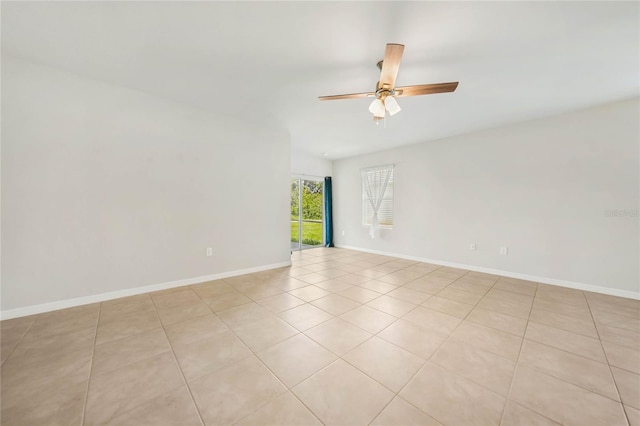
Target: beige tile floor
(341, 337)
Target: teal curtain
(328, 215)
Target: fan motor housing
(382, 93)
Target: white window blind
(377, 187)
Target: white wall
(540, 188)
(106, 188)
(305, 164)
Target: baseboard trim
(86, 300)
(544, 280)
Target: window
(377, 190)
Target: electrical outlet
(472, 246)
(209, 251)
(504, 251)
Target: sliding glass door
(306, 213)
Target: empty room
(306, 213)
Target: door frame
(300, 178)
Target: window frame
(365, 204)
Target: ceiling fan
(386, 91)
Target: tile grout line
(517, 363)
(581, 356)
(461, 321)
(570, 353)
(323, 368)
(606, 357)
(565, 380)
(610, 310)
(289, 390)
(397, 394)
(255, 355)
(319, 259)
(338, 357)
(93, 353)
(18, 342)
(431, 295)
(175, 359)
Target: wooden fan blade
(350, 96)
(390, 65)
(425, 89)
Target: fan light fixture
(377, 108)
(386, 89)
(384, 102)
(391, 105)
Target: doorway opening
(307, 213)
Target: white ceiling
(268, 61)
